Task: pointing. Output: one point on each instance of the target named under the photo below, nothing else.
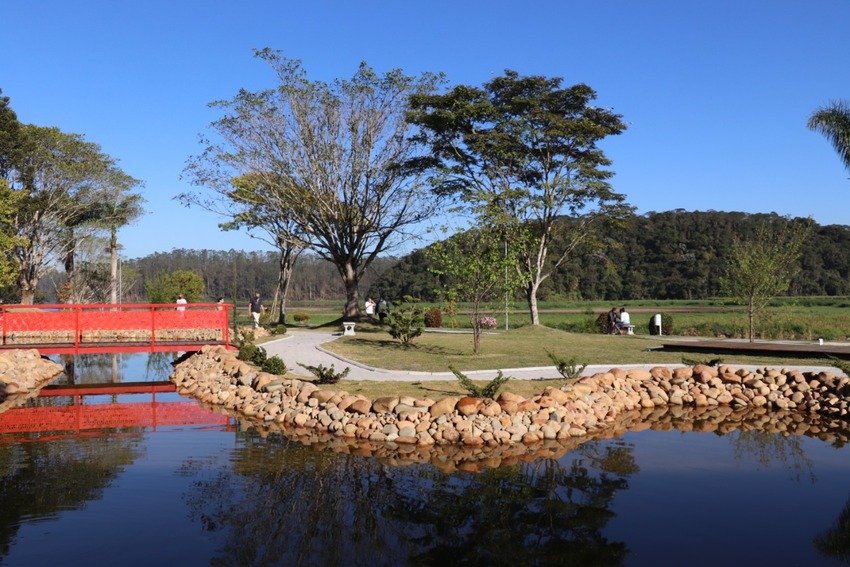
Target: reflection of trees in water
(835, 542)
(93, 368)
(283, 503)
(159, 365)
(42, 479)
(764, 448)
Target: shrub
(487, 322)
(275, 328)
(326, 375)
(301, 317)
(569, 368)
(434, 318)
(488, 391)
(274, 365)
(406, 321)
(249, 352)
(602, 323)
(666, 324)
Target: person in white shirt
(624, 322)
(181, 303)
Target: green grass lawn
(522, 347)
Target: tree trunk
(113, 266)
(287, 263)
(352, 294)
(531, 298)
(27, 287)
(751, 314)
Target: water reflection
(42, 479)
(835, 542)
(280, 503)
(709, 485)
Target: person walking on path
(256, 308)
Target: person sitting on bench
(624, 321)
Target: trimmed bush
(434, 318)
(274, 365)
(301, 317)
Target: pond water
(213, 493)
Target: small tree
(763, 266)
(475, 266)
(406, 321)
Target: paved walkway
(306, 347)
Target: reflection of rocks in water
(469, 433)
(452, 457)
(22, 374)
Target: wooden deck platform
(770, 348)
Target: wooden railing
(71, 328)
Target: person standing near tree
(256, 308)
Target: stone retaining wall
(592, 406)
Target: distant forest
(669, 255)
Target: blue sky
(717, 93)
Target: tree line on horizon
(675, 255)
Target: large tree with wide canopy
(329, 157)
(523, 153)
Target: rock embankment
(216, 377)
(22, 374)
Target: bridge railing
(79, 326)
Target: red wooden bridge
(65, 328)
(65, 420)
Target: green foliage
(274, 328)
(667, 255)
(434, 317)
(488, 391)
(10, 200)
(243, 336)
(600, 325)
(407, 320)
(301, 317)
(569, 368)
(833, 121)
(249, 352)
(166, 288)
(763, 264)
(274, 365)
(326, 375)
(476, 267)
(705, 362)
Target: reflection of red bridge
(81, 417)
(101, 328)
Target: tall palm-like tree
(833, 121)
